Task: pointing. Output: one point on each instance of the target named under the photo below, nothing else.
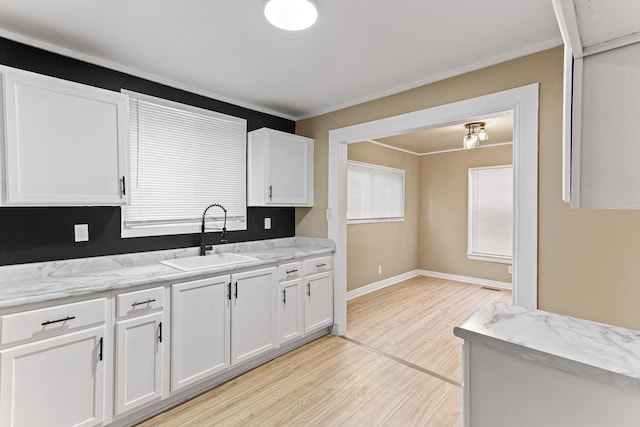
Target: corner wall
(392, 245)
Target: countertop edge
(469, 332)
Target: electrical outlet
(267, 223)
(510, 269)
(81, 232)
(379, 269)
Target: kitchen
(586, 258)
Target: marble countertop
(600, 352)
(45, 281)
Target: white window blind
(490, 233)
(375, 193)
(183, 159)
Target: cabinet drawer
(290, 271)
(48, 321)
(139, 301)
(317, 265)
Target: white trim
(376, 286)
(549, 44)
(136, 72)
(452, 150)
(466, 279)
(490, 258)
(524, 103)
(498, 144)
(539, 47)
(391, 147)
(372, 287)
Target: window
(491, 214)
(182, 159)
(375, 193)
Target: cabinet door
(54, 382)
(254, 314)
(66, 143)
(139, 361)
(288, 171)
(318, 306)
(291, 313)
(200, 343)
(279, 169)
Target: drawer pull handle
(284, 296)
(320, 265)
(309, 289)
(236, 293)
(292, 271)
(50, 322)
(160, 332)
(271, 192)
(100, 354)
(229, 292)
(149, 301)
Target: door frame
(523, 101)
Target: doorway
(523, 101)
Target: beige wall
(393, 245)
(442, 228)
(589, 261)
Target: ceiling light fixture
(476, 132)
(291, 15)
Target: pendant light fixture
(476, 132)
(291, 15)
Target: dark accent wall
(46, 233)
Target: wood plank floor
(398, 365)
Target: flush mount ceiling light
(291, 15)
(476, 132)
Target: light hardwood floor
(398, 365)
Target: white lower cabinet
(253, 314)
(53, 360)
(318, 301)
(138, 361)
(201, 338)
(54, 382)
(291, 310)
(221, 321)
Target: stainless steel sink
(201, 262)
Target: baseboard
(466, 279)
(381, 284)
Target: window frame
(378, 167)
(480, 256)
(215, 217)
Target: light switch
(267, 223)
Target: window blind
(182, 160)
(375, 193)
(491, 213)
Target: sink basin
(201, 262)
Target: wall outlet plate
(267, 223)
(81, 232)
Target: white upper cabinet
(63, 143)
(279, 169)
(601, 103)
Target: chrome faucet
(203, 246)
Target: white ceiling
(449, 138)
(357, 51)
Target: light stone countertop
(47, 281)
(604, 353)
